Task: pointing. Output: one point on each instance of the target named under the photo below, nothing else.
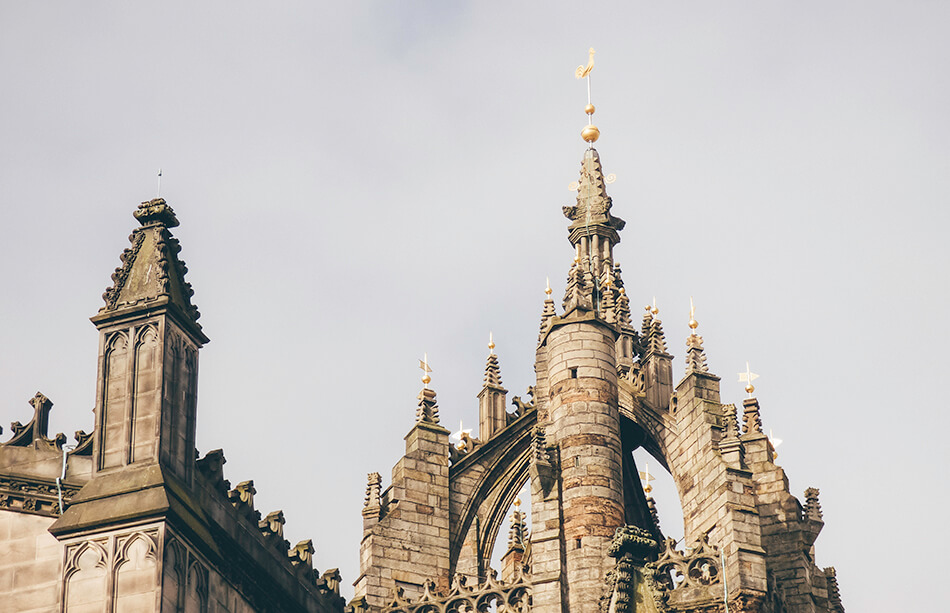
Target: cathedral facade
(130, 519)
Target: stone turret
(583, 422)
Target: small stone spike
(492, 371)
(577, 293)
(812, 506)
(623, 302)
(834, 593)
(373, 488)
(656, 340)
(548, 312)
(695, 354)
(752, 421)
(517, 532)
(428, 409)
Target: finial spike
(590, 133)
(424, 365)
(748, 377)
(693, 324)
(491, 343)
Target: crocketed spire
(593, 203)
(151, 272)
(492, 371)
(695, 354)
(654, 338)
(428, 409)
(577, 294)
(517, 533)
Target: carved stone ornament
(490, 595)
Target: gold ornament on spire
(646, 477)
(583, 71)
(693, 324)
(547, 289)
(748, 377)
(424, 365)
(491, 342)
(590, 133)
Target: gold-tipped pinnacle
(424, 365)
(547, 287)
(693, 324)
(748, 377)
(491, 342)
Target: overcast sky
(360, 183)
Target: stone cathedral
(130, 518)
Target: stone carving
(272, 527)
(212, 467)
(34, 433)
(331, 579)
(521, 407)
(242, 499)
(490, 595)
(301, 557)
(694, 576)
(33, 496)
(83, 443)
(632, 547)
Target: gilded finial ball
(648, 488)
(518, 501)
(590, 133)
(623, 291)
(426, 379)
(548, 290)
(749, 388)
(693, 324)
(655, 310)
(491, 344)
(589, 109)
(647, 308)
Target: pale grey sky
(362, 182)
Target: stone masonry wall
(585, 425)
(31, 564)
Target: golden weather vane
(748, 377)
(693, 324)
(424, 365)
(590, 133)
